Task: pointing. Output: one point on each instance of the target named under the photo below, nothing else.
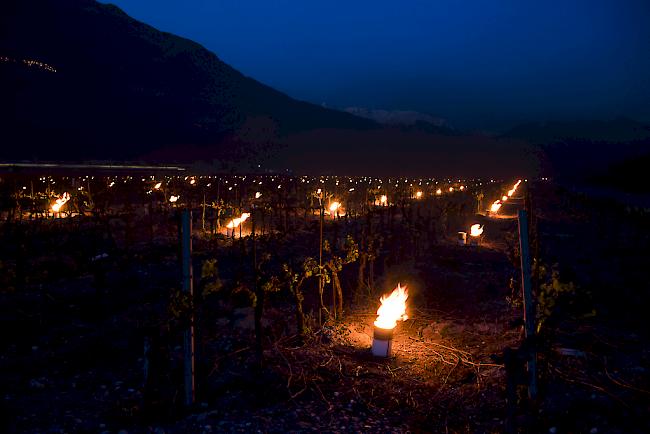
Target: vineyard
(288, 273)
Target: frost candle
(392, 309)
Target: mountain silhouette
(81, 79)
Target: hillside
(110, 87)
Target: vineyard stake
(188, 334)
(529, 308)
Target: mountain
(80, 79)
(397, 117)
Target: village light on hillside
(391, 310)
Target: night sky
(477, 63)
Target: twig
(593, 386)
(622, 383)
(322, 396)
(218, 359)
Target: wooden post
(188, 334)
(529, 308)
(321, 282)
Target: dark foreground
(95, 345)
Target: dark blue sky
(478, 63)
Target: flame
(237, 221)
(476, 230)
(462, 187)
(514, 188)
(157, 186)
(451, 189)
(56, 207)
(383, 199)
(192, 181)
(418, 194)
(439, 191)
(258, 195)
(495, 206)
(393, 308)
(504, 198)
(334, 207)
(173, 198)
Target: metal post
(529, 308)
(188, 334)
(321, 283)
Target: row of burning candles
(393, 306)
(496, 205)
(335, 207)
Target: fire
(334, 207)
(418, 194)
(514, 188)
(439, 191)
(504, 198)
(393, 308)
(56, 207)
(476, 230)
(258, 195)
(173, 198)
(192, 181)
(237, 221)
(451, 189)
(157, 186)
(383, 199)
(495, 206)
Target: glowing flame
(334, 207)
(462, 187)
(439, 191)
(383, 199)
(157, 186)
(111, 184)
(237, 221)
(192, 181)
(514, 188)
(173, 198)
(392, 309)
(451, 189)
(418, 194)
(56, 207)
(504, 198)
(495, 206)
(258, 195)
(476, 230)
